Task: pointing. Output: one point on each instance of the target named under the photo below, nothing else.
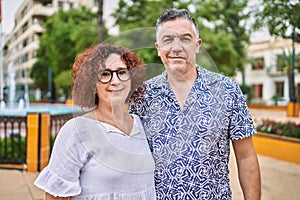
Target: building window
(24, 58)
(60, 5)
(279, 88)
(23, 73)
(24, 28)
(257, 91)
(258, 64)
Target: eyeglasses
(106, 75)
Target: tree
(66, 34)
(221, 45)
(286, 20)
(100, 21)
(228, 20)
(286, 17)
(136, 20)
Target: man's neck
(182, 85)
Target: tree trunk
(100, 21)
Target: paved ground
(280, 179)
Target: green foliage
(39, 73)
(278, 16)
(286, 61)
(248, 91)
(132, 14)
(224, 42)
(15, 149)
(66, 34)
(228, 19)
(276, 98)
(63, 81)
(289, 129)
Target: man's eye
(167, 40)
(186, 39)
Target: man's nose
(176, 46)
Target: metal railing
(13, 136)
(56, 122)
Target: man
(190, 115)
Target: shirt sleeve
(241, 125)
(61, 176)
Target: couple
(188, 114)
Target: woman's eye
(122, 71)
(105, 74)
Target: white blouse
(92, 160)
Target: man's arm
(248, 168)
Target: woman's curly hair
(90, 62)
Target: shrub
(13, 149)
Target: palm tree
(287, 66)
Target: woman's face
(114, 82)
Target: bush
(248, 91)
(289, 129)
(13, 149)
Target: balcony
(40, 11)
(274, 70)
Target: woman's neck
(115, 116)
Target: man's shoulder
(211, 77)
(156, 81)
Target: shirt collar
(204, 80)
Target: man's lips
(176, 57)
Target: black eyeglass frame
(112, 73)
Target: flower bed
(280, 140)
(288, 129)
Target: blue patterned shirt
(191, 145)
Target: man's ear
(199, 43)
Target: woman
(103, 154)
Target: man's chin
(177, 65)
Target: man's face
(177, 45)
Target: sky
(9, 8)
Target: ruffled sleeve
(61, 176)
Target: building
(21, 44)
(266, 72)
